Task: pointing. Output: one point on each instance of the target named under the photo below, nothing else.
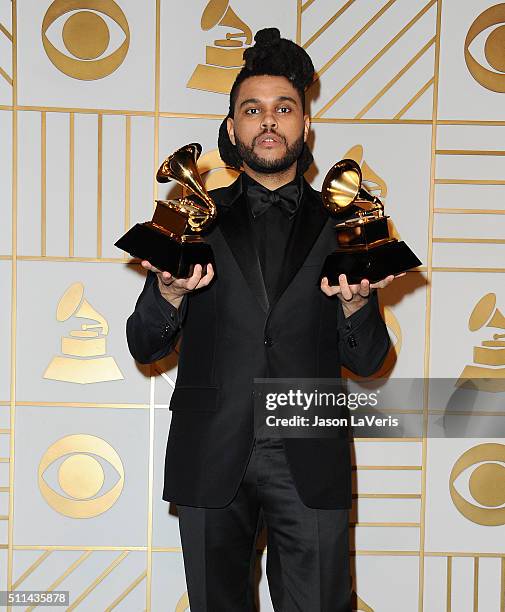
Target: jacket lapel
(308, 225)
(236, 228)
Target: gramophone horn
(342, 187)
(181, 167)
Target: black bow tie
(261, 198)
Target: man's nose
(269, 121)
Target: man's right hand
(173, 289)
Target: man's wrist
(352, 306)
(168, 295)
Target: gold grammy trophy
(489, 374)
(83, 361)
(224, 60)
(364, 247)
(172, 240)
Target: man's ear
(306, 120)
(231, 131)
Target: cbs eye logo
(80, 476)
(86, 36)
(493, 49)
(486, 484)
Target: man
(264, 314)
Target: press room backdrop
(94, 94)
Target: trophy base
(178, 258)
(374, 264)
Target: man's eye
(284, 109)
(252, 111)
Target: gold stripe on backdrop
(6, 76)
(375, 59)
(415, 98)
(388, 467)
(89, 548)
(97, 580)
(352, 40)
(120, 260)
(449, 585)
(152, 382)
(449, 269)
(427, 330)
(470, 211)
(99, 188)
(5, 31)
(43, 186)
(502, 586)
(127, 190)
(326, 25)
(470, 240)
(386, 496)
(299, 22)
(446, 181)
(126, 592)
(71, 188)
(383, 524)
(476, 584)
(31, 568)
(467, 152)
(306, 5)
(35, 403)
(66, 573)
(398, 76)
(12, 408)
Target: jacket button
(351, 341)
(268, 341)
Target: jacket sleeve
(363, 338)
(153, 328)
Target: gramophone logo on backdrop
(488, 371)
(86, 35)
(83, 359)
(493, 49)
(223, 61)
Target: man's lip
(268, 138)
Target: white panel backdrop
(78, 157)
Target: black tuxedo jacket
(232, 334)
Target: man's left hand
(353, 297)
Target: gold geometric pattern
(86, 556)
(322, 108)
(6, 59)
(124, 143)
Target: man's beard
(270, 166)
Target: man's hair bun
(267, 36)
(276, 56)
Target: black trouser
(307, 548)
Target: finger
(327, 289)
(364, 288)
(205, 280)
(383, 283)
(166, 277)
(148, 266)
(345, 290)
(191, 282)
